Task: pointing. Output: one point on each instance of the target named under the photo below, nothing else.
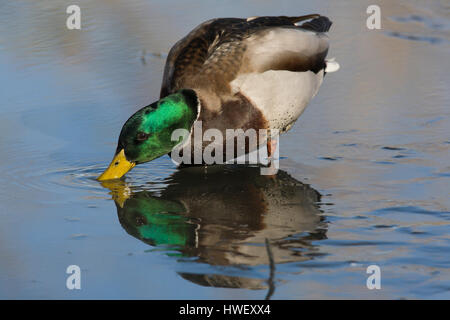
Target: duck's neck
(176, 111)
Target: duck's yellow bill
(117, 168)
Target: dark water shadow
(227, 217)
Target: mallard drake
(229, 73)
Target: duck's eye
(142, 136)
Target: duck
(236, 75)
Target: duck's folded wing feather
(215, 52)
(187, 57)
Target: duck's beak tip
(118, 167)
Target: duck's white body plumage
(281, 95)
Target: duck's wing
(188, 56)
(215, 52)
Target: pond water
(364, 177)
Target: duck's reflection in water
(230, 216)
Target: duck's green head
(147, 134)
